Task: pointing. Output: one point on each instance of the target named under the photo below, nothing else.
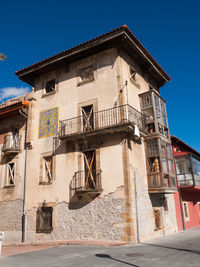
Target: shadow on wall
(78, 202)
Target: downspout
(25, 174)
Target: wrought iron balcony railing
(108, 118)
(11, 143)
(86, 182)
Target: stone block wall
(100, 219)
(11, 215)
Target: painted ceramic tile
(48, 123)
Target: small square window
(86, 75)
(44, 220)
(132, 74)
(50, 86)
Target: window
(161, 115)
(186, 211)
(86, 75)
(196, 170)
(46, 170)
(44, 220)
(132, 74)
(134, 77)
(183, 170)
(88, 118)
(11, 172)
(157, 218)
(50, 86)
(90, 169)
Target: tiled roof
(10, 107)
(176, 140)
(58, 56)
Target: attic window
(86, 75)
(132, 74)
(50, 86)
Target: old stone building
(99, 162)
(13, 117)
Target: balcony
(161, 183)
(86, 183)
(11, 144)
(121, 118)
(188, 172)
(160, 168)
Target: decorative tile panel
(48, 122)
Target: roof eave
(122, 32)
(176, 140)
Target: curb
(66, 242)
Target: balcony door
(90, 169)
(88, 118)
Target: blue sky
(169, 30)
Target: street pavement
(181, 249)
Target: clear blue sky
(169, 30)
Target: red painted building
(187, 199)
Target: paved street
(182, 249)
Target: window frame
(47, 176)
(81, 79)
(8, 184)
(133, 76)
(40, 216)
(45, 93)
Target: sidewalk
(20, 248)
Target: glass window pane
(164, 164)
(196, 169)
(157, 102)
(183, 165)
(171, 167)
(163, 107)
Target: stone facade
(83, 221)
(13, 219)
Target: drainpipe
(25, 174)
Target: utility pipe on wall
(25, 174)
